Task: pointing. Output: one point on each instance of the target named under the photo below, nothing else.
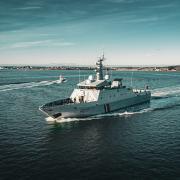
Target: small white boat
(61, 79)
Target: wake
(24, 85)
(100, 116)
(166, 92)
(11, 87)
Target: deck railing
(59, 102)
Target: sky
(129, 32)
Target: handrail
(59, 102)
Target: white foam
(167, 91)
(10, 87)
(125, 114)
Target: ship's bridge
(88, 84)
(100, 84)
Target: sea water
(142, 142)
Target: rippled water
(139, 143)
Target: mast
(99, 68)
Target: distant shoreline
(156, 69)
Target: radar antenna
(99, 68)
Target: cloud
(29, 44)
(122, 1)
(142, 20)
(62, 44)
(150, 54)
(150, 18)
(29, 8)
(43, 43)
(162, 6)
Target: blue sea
(135, 144)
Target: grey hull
(89, 109)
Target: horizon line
(88, 65)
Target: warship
(96, 95)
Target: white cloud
(62, 44)
(150, 54)
(43, 43)
(29, 7)
(122, 1)
(141, 20)
(134, 19)
(161, 6)
(29, 44)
